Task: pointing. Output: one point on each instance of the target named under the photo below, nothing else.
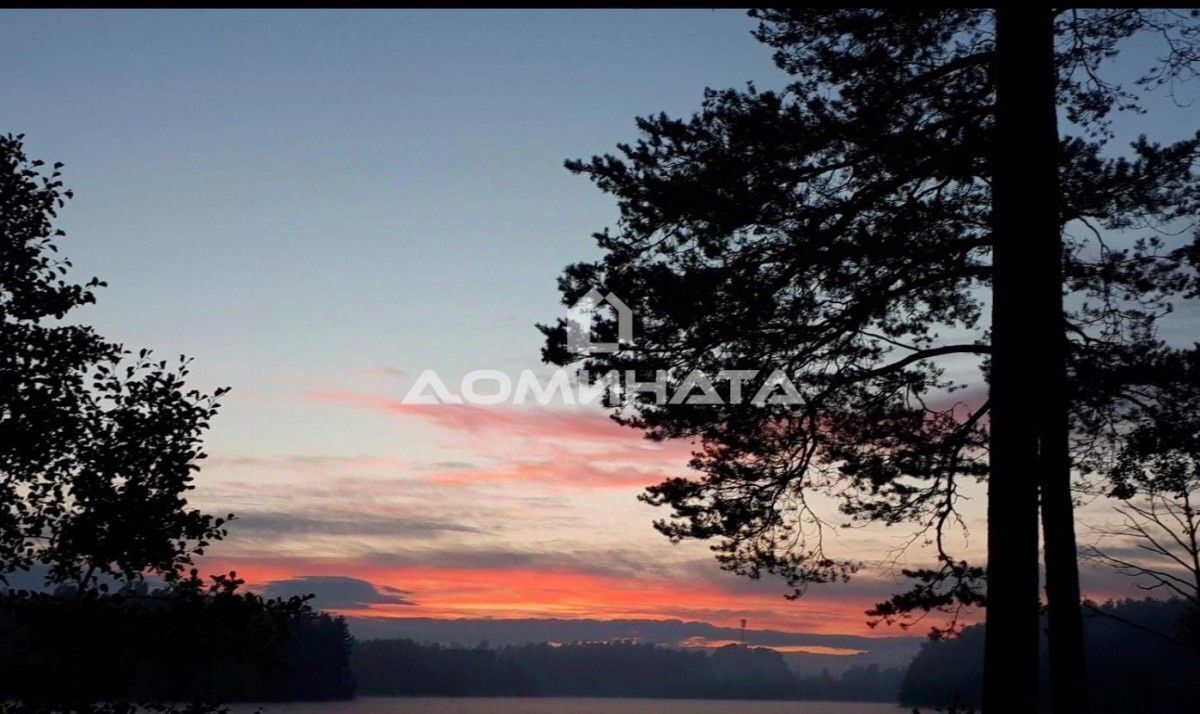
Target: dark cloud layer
(336, 592)
(281, 523)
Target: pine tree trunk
(1068, 680)
(1011, 645)
(1068, 685)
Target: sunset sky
(318, 206)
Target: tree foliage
(840, 230)
(98, 445)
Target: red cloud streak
(531, 593)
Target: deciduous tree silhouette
(847, 231)
(1163, 532)
(98, 447)
(1153, 466)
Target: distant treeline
(228, 645)
(1142, 656)
(609, 669)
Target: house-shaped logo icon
(579, 324)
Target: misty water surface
(554, 705)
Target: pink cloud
(574, 449)
(569, 471)
(543, 423)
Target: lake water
(548, 705)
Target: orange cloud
(706, 643)
(537, 593)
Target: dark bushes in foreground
(186, 643)
(1138, 655)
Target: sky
(318, 206)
